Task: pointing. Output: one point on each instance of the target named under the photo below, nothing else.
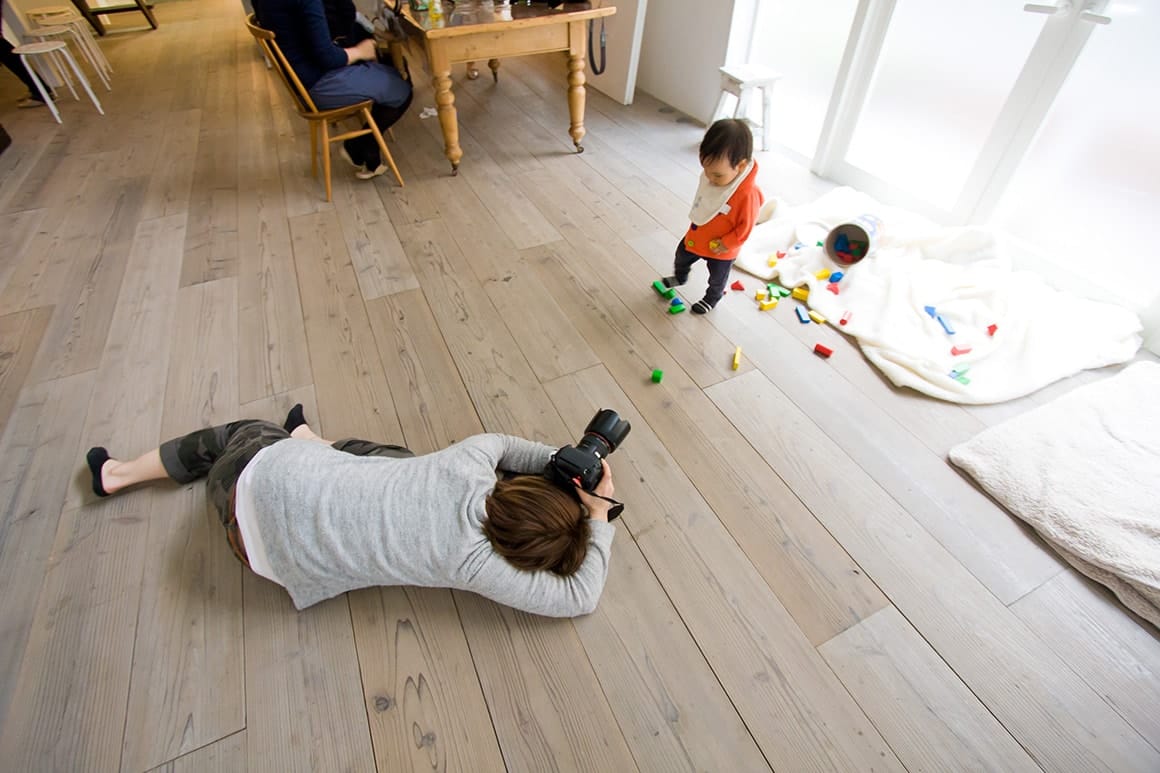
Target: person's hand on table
(363, 52)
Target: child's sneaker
(700, 307)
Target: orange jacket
(731, 229)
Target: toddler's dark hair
(728, 138)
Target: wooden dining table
(475, 30)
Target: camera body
(580, 464)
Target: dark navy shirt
(303, 35)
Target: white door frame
(1065, 32)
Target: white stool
(44, 33)
(66, 16)
(46, 53)
(741, 80)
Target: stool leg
(84, 81)
(97, 68)
(766, 118)
(62, 72)
(719, 111)
(91, 44)
(40, 87)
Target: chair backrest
(269, 44)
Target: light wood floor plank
(431, 400)
(379, 260)
(502, 385)
(169, 186)
(811, 574)
(1062, 723)
(424, 701)
(548, 708)
(16, 231)
(929, 717)
(273, 355)
(1114, 651)
(188, 660)
(304, 708)
(225, 756)
(39, 446)
(87, 299)
(74, 678)
(353, 397)
(211, 244)
(21, 333)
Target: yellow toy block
(737, 358)
(801, 293)
(771, 262)
(767, 305)
(759, 295)
(816, 317)
(823, 274)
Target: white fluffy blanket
(1084, 471)
(965, 274)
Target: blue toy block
(945, 325)
(676, 302)
(842, 243)
(837, 275)
(803, 315)
(930, 310)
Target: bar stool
(44, 33)
(46, 54)
(741, 80)
(67, 16)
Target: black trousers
(14, 63)
(718, 272)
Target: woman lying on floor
(322, 518)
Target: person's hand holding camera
(598, 508)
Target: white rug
(964, 275)
(1084, 471)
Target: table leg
(472, 71)
(494, 65)
(578, 42)
(445, 102)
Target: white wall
(685, 41)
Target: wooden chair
(320, 120)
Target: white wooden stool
(741, 80)
(45, 54)
(64, 32)
(66, 16)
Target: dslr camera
(580, 464)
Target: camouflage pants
(219, 454)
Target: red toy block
(737, 286)
(832, 288)
(780, 254)
(957, 350)
(824, 351)
(991, 329)
(845, 317)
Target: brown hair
(728, 138)
(536, 525)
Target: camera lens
(605, 432)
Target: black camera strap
(614, 511)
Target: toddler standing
(724, 210)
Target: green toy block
(664, 292)
(677, 308)
(657, 375)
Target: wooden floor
(800, 581)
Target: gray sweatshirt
(332, 522)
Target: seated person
(321, 519)
(337, 76)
